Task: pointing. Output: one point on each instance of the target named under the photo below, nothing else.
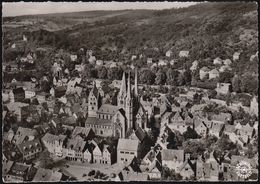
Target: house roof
(96, 121)
(206, 69)
(80, 130)
(29, 146)
(140, 134)
(20, 168)
(108, 109)
(187, 162)
(127, 144)
(51, 138)
(170, 154)
(22, 133)
(7, 166)
(77, 143)
(230, 128)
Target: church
(116, 120)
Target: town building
(126, 150)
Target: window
(132, 153)
(186, 169)
(122, 159)
(126, 152)
(122, 152)
(92, 108)
(101, 132)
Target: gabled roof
(170, 155)
(187, 162)
(22, 133)
(127, 144)
(108, 109)
(29, 146)
(81, 130)
(51, 138)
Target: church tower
(129, 106)
(136, 85)
(122, 93)
(93, 102)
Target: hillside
(207, 30)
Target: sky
(30, 8)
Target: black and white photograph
(130, 91)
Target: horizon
(13, 9)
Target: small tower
(129, 106)
(122, 93)
(93, 102)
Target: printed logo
(244, 169)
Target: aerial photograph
(130, 91)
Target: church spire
(129, 87)
(136, 85)
(123, 85)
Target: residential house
(97, 153)
(223, 88)
(7, 165)
(92, 60)
(30, 149)
(254, 106)
(172, 159)
(162, 62)
(217, 61)
(74, 149)
(168, 53)
(126, 150)
(73, 57)
(15, 108)
(204, 71)
(195, 65)
(184, 53)
(99, 63)
(254, 56)
(149, 61)
(80, 67)
(225, 68)
(72, 84)
(188, 169)
(227, 62)
(133, 57)
(24, 134)
(180, 121)
(201, 126)
(213, 74)
(54, 143)
(18, 173)
(236, 56)
(87, 133)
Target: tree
(170, 174)
(225, 77)
(172, 76)
(147, 77)
(160, 77)
(102, 72)
(180, 80)
(236, 82)
(115, 73)
(187, 77)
